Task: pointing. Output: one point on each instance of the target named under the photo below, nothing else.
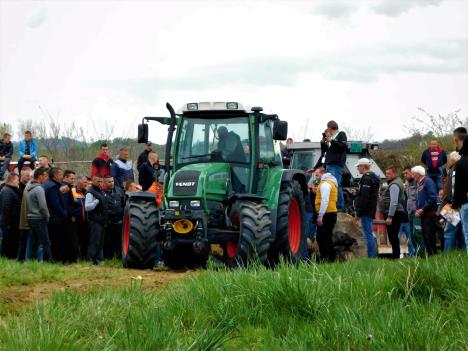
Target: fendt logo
(185, 184)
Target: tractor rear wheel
(253, 220)
(140, 232)
(291, 240)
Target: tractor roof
(213, 106)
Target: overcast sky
(362, 63)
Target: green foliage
(360, 305)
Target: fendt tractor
(225, 192)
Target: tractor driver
(230, 146)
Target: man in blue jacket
(27, 151)
(122, 169)
(58, 214)
(426, 208)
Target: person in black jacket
(71, 247)
(113, 231)
(286, 154)
(97, 210)
(6, 151)
(10, 205)
(147, 172)
(334, 145)
(58, 214)
(366, 203)
(460, 195)
(144, 155)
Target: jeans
(5, 165)
(366, 223)
(453, 237)
(311, 227)
(406, 228)
(464, 221)
(337, 172)
(40, 237)
(437, 178)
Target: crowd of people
(420, 202)
(51, 214)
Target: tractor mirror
(142, 133)
(280, 130)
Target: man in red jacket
(101, 166)
(434, 158)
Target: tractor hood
(202, 181)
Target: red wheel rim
(294, 221)
(126, 234)
(233, 246)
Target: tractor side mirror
(280, 130)
(142, 133)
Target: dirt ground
(19, 295)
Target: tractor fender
(246, 196)
(295, 174)
(142, 195)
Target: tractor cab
(225, 187)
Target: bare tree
(436, 125)
(359, 134)
(5, 128)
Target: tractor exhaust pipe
(171, 130)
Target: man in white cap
(426, 207)
(366, 203)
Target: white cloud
(114, 62)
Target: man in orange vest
(325, 205)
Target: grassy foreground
(361, 305)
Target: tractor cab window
(268, 152)
(214, 140)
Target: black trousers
(96, 241)
(82, 234)
(71, 245)
(113, 240)
(429, 230)
(325, 237)
(21, 162)
(23, 242)
(9, 244)
(58, 234)
(392, 233)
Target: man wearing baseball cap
(366, 203)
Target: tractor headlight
(192, 107)
(195, 203)
(174, 203)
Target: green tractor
(225, 192)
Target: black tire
(183, 257)
(140, 233)
(254, 235)
(292, 247)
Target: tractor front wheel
(291, 240)
(253, 220)
(140, 232)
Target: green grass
(14, 273)
(361, 305)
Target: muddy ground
(15, 296)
